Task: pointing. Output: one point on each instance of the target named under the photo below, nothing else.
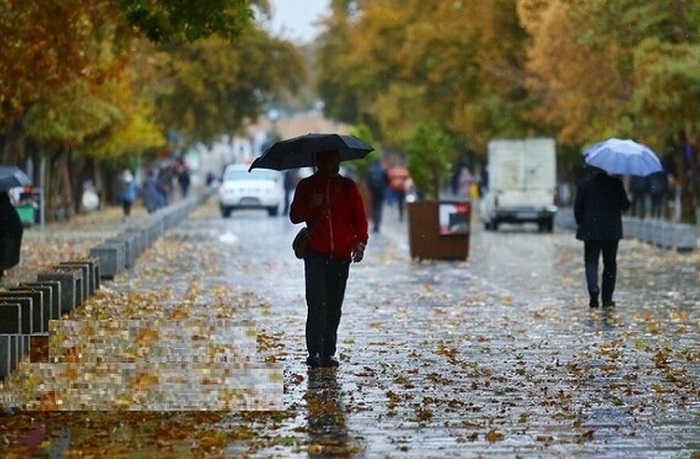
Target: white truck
(521, 185)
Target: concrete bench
(140, 239)
(129, 244)
(71, 286)
(630, 228)
(678, 236)
(91, 274)
(52, 294)
(31, 318)
(155, 229)
(10, 317)
(112, 258)
(40, 306)
(83, 289)
(683, 237)
(15, 319)
(13, 348)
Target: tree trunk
(687, 176)
(13, 144)
(57, 188)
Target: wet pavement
(496, 356)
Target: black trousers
(377, 196)
(591, 255)
(126, 207)
(326, 280)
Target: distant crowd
(157, 187)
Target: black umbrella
(12, 177)
(301, 151)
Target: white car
(257, 189)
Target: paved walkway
(498, 356)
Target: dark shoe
(314, 361)
(330, 362)
(593, 303)
(609, 304)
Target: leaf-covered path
(498, 356)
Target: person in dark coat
(658, 189)
(11, 231)
(291, 178)
(377, 182)
(639, 189)
(153, 192)
(598, 206)
(128, 192)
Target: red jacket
(335, 227)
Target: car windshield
(255, 174)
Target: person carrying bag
(333, 210)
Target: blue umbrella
(12, 177)
(622, 157)
(301, 151)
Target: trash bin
(26, 214)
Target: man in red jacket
(332, 208)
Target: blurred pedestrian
(164, 175)
(11, 231)
(598, 206)
(377, 181)
(658, 190)
(398, 176)
(333, 210)
(184, 178)
(466, 179)
(210, 179)
(291, 178)
(639, 189)
(153, 193)
(129, 190)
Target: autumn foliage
(577, 70)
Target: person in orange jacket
(398, 178)
(333, 210)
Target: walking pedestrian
(332, 208)
(291, 178)
(377, 181)
(466, 179)
(153, 193)
(658, 190)
(11, 231)
(398, 176)
(184, 178)
(598, 206)
(129, 188)
(639, 189)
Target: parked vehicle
(257, 189)
(522, 179)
